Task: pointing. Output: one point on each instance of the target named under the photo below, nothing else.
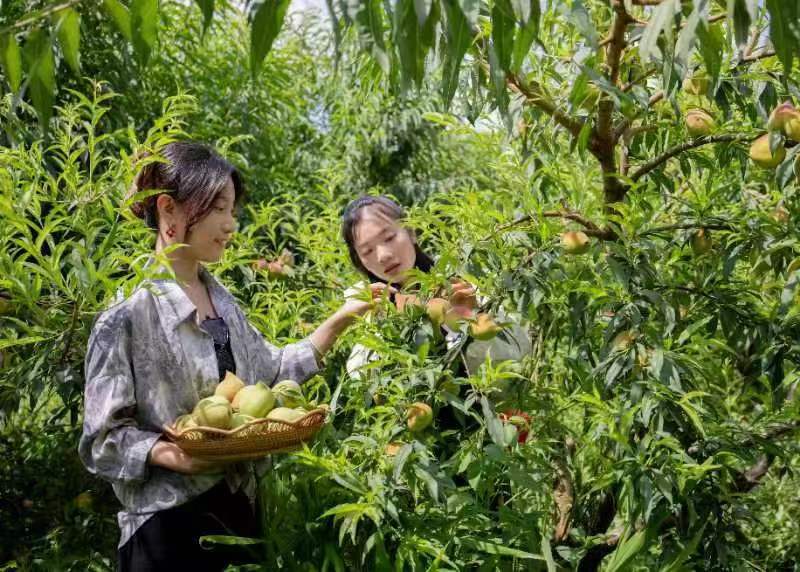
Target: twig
(628, 86)
(686, 226)
(70, 333)
(625, 123)
(564, 496)
(591, 228)
(678, 149)
(39, 15)
(534, 95)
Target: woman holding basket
(152, 356)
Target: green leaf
(406, 38)
(430, 481)
(413, 42)
(459, 39)
(368, 16)
(580, 17)
(547, 552)
(400, 460)
(68, 29)
(740, 18)
(11, 61)
(523, 10)
(658, 22)
(122, 18)
(626, 551)
(423, 10)
(690, 411)
(676, 563)
(784, 19)
(38, 53)
(493, 424)
(207, 8)
(495, 548)
(687, 36)
(10, 343)
(503, 28)
(529, 30)
(224, 540)
(471, 10)
(144, 27)
(711, 45)
(266, 23)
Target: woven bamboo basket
(252, 440)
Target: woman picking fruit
(152, 356)
(385, 250)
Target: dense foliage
(662, 380)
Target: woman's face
(385, 247)
(206, 239)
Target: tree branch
(591, 229)
(534, 97)
(686, 226)
(618, 43)
(678, 149)
(616, 46)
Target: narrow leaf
(740, 17)
(529, 30)
(39, 59)
(207, 8)
(68, 27)
(625, 552)
(144, 28)
(503, 28)
(459, 39)
(784, 19)
(122, 18)
(368, 16)
(11, 61)
(423, 10)
(661, 18)
(266, 23)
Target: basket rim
(175, 434)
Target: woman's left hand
(323, 337)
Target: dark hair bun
(192, 173)
(145, 208)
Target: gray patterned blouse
(148, 362)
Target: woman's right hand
(169, 456)
(463, 294)
(359, 307)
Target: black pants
(169, 540)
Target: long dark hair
(193, 174)
(352, 216)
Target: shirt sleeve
(112, 445)
(273, 364)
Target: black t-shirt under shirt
(218, 330)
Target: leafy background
(662, 382)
